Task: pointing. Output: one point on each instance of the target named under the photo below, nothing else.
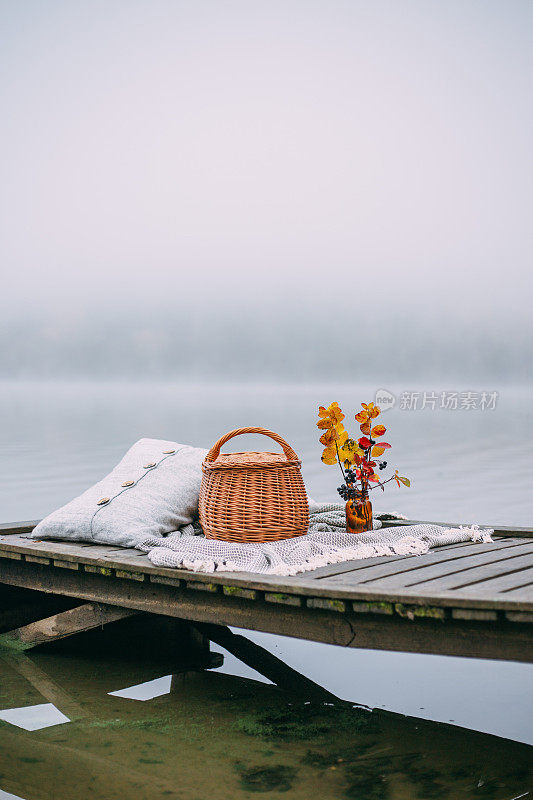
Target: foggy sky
(189, 183)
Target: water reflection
(8, 796)
(147, 690)
(221, 736)
(34, 718)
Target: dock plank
(468, 574)
(348, 566)
(519, 578)
(451, 572)
(362, 572)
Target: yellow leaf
(346, 456)
(342, 434)
(405, 481)
(377, 451)
(329, 456)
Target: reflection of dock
(463, 599)
(209, 733)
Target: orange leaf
(378, 430)
(329, 437)
(325, 424)
(376, 451)
(335, 412)
(373, 477)
(365, 428)
(361, 417)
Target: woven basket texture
(253, 497)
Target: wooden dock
(472, 600)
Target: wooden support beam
(75, 620)
(188, 649)
(44, 684)
(199, 655)
(20, 607)
(268, 665)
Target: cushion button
(103, 501)
(127, 483)
(168, 452)
(150, 465)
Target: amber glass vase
(359, 514)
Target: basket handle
(287, 449)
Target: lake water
(467, 465)
(75, 733)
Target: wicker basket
(253, 497)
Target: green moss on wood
(374, 607)
(99, 570)
(132, 576)
(328, 604)
(238, 591)
(279, 597)
(428, 612)
(202, 587)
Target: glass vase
(359, 514)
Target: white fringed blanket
(326, 543)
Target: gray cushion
(162, 497)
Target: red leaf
(365, 443)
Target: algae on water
(278, 777)
(305, 722)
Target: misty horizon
(283, 189)
(261, 347)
